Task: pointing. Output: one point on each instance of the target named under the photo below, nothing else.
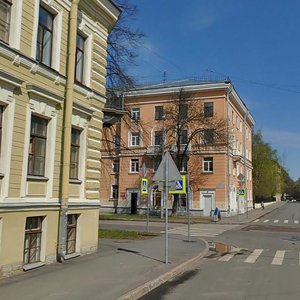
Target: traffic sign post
(167, 173)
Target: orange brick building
(216, 171)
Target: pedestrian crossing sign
(180, 186)
(242, 192)
(144, 186)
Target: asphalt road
(266, 266)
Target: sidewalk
(252, 214)
(119, 270)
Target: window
(159, 112)
(116, 166)
(183, 165)
(5, 8)
(75, 147)
(79, 70)
(209, 136)
(156, 163)
(135, 114)
(117, 141)
(32, 242)
(114, 191)
(71, 234)
(208, 109)
(158, 138)
(135, 139)
(45, 36)
(37, 146)
(183, 137)
(134, 166)
(182, 200)
(1, 121)
(183, 110)
(208, 164)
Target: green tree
(268, 175)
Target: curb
(152, 284)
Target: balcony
(113, 109)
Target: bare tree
(123, 42)
(190, 128)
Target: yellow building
(52, 94)
(217, 169)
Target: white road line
(296, 222)
(285, 221)
(278, 258)
(257, 220)
(226, 257)
(266, 221)
(251, 259)
(276, 221)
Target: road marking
(226, 257)
(278, 258)
(276, 221)
(251, 259)
(285, 221)
(296, 222)
(266, 221)
(257, 220)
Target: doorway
(134, 198)
(208, 204)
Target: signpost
(168, 174)
(144, 186)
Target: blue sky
(256, 43)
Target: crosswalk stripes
(203, 230)
(275, 221)
(278, 258)
(254, 257)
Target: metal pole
(188, 208)
(148, 198)
(166, 208)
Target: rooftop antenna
(164, 77)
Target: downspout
(227, 141)
(244, 157)
(67, 126)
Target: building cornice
(10, 79)
(44, 93)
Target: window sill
(33, 266)
(36, 178)
(132, 173)
(1, 175)
(112, 199)
(207, 172)
(72, 255)
(75, 181)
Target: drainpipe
(67, 126)
(244, 156)
(227, 141)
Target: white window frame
(135, 113)
(135, 139)
(116, 163)
(208, 165)
(136, 163)
(57, 12)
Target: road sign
(144, 169)
(242, 192)
(180, 186)
(173, 172)
(144, 186)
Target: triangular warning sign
(173, 172)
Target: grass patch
(125, 235)
(128, 217)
